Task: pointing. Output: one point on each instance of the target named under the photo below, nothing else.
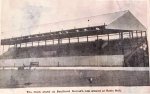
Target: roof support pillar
(122, 47)
(38, 43)
(132, 34)
(129, 34)
(3, 48)
(68, 46)
(108, 42)
(145, 33)
(32, 43)
(78, 37)
(58, 50)
(26, 44)
(78, 40)
(59, 41)
(108, 37)
(97, 36)
(119, 35)
(45, 42)
(53, 41)
(15, 45)
(87, 39)
(69, 40)
(136, 34)
(141, 34)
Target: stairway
(136, 52)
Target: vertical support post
(59, 38)
(97, 36)
(38, 43)
(87, 39)
(45, 42)
(58, 50)
(108, 38)
(136, 34)
(108, 43)
(32, 43)
(122, 48)
(69, 40)
(68, 51)
(132, 34)
(53, 41)
(20, 45)
(78, 39)
(26, 44)
(145, 33)
(137, 42)
(3, 48)
(129, 34)
(58, 41)
(61, 41)
(119, 35)
(15, 45)
(141, 34)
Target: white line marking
(82, 68)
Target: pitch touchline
(81, 68)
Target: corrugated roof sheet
(126, 22)
(123, 20)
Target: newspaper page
(74, 47)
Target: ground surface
(11, 78)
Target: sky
(23, 17)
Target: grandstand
(103, 50)
(117, 34)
